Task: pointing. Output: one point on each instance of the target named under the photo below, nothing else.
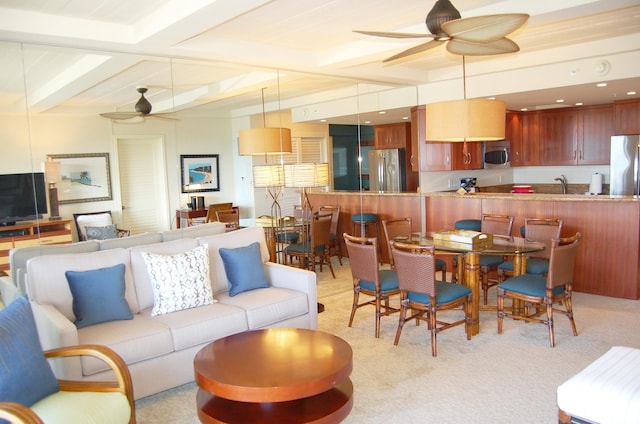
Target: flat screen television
(22, 197)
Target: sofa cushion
(98, 295)
(193, 327)
(130, 241)
(47, 283)
(179, 281)
(231, 240)
(265, 307)
(26, 374)
(202, 230)
(141, 276)
(244, 268)
(101, 233)
(137, 340)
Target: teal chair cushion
(529, 285)
(364, 217)
(446, 292)
(468, 224)
(388, 281)
(440, 263)
(490, 260)
(534, 266)
(288, 237)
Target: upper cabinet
(513, 134)
(572, 136)
(393, 136)
(627, 117)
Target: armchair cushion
(25, 374)
(83, 408)
(98, 295)
(101, 233)
(244, 268)
(180, 281)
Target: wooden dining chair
(369, 279)
(544, 292)
(499, 226)
(401, 227)
(230, 217)
(541, 230)
(335, 248)
(314, 251)
(424, 296)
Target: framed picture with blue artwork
(84, 177)
(199, 173)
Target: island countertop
(491, 195)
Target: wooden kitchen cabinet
(513, 134)
(626, 117)
(558, 137)
(595, 128)
(531, 139)
(392, 136)
(471, 159)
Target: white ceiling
(217, 56)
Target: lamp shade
(265, 141)
(465, 120)
(52, 172)
(304, 175)
(268, 176)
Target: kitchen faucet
(563, 181)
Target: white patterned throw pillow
(180, 281)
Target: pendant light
(264, 141)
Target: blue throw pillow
(244, 268)
(98, 295)
(25, 374)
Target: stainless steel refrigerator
(387, 170)
(623, 178)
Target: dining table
(469, 260)
(272, 227)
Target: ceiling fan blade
(485, 28)
(394, 34)
(414, 50)
(120, 115)
(168, 115)
(467, 48)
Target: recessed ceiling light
(492, 98)
(382, 112)
(631, 93)
(601, 84)
(579, 104)
(323, 120)
(367, 122)
(560, 101)
(524, 109)
(405, 118)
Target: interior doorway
(143, 183)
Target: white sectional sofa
(159, 350)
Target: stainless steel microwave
(497, 154)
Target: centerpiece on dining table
(469, 238)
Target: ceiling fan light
(443, 11)
(465, 120)
(143, 106)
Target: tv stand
(39, 232)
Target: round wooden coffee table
(275, 375)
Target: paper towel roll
(596, 184)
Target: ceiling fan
(477, 36)
(143, 110)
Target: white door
(143, 184)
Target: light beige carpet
(507, 378)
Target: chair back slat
(363, 258)
(562, 261)
(393, 228)
(335, 215)
(320, 230)
(499, 225)
(416, 268)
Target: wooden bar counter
(609, 253)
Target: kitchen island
(608, 257)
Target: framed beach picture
(84, 177)
(199, 173)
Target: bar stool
(364, 220)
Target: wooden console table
(188, 215)
(32, 234)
